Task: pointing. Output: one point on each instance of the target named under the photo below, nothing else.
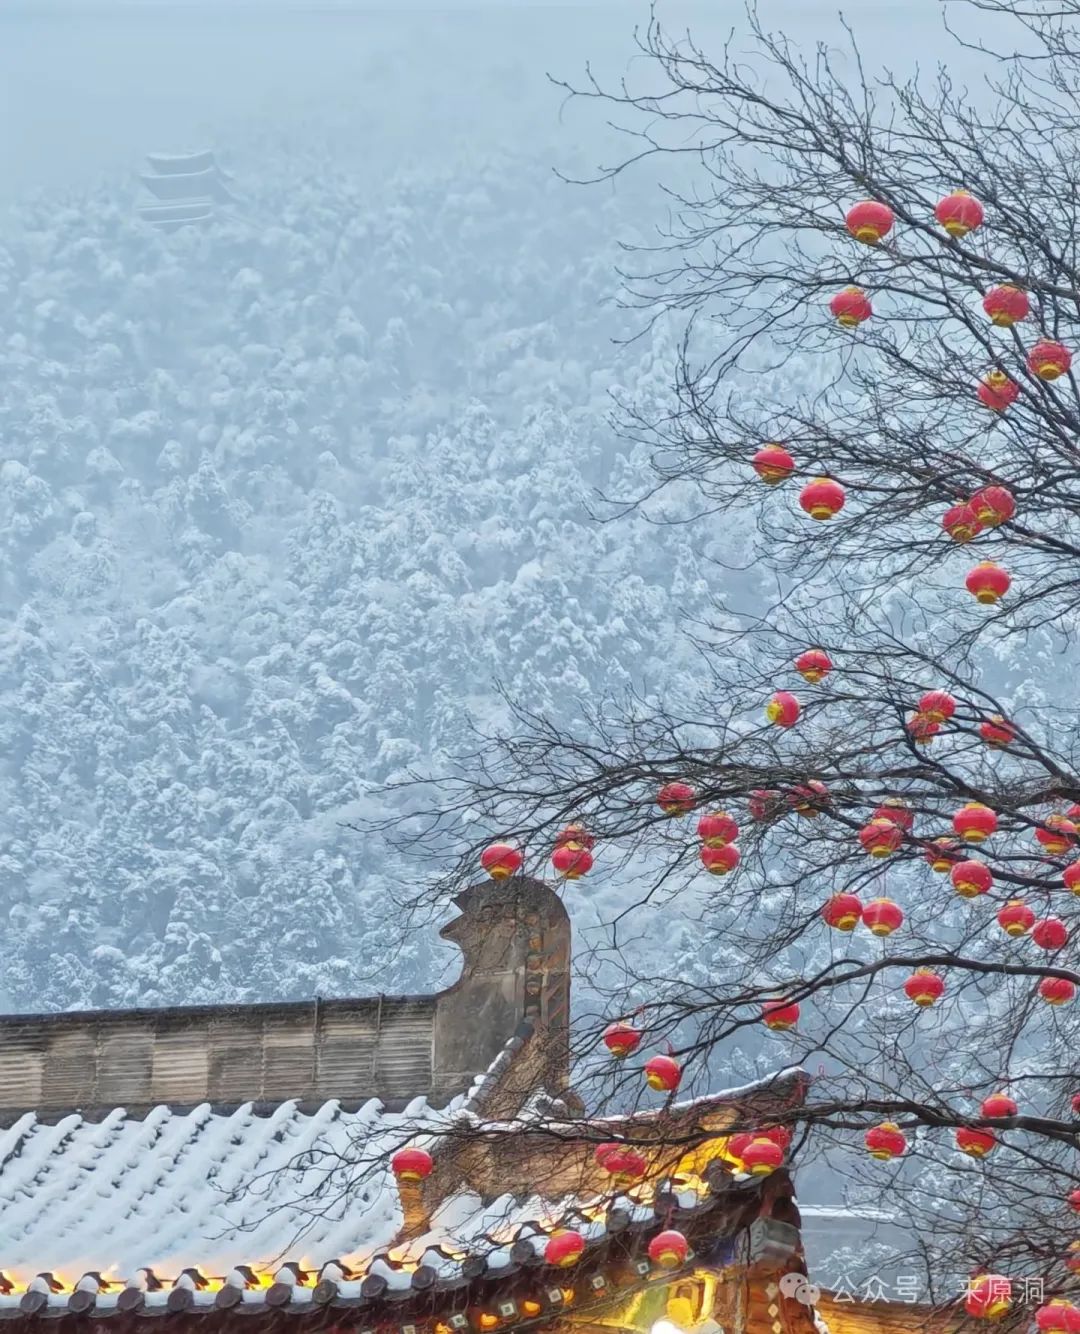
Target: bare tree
(952, 442)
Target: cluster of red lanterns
(844, 912)
(870, 221)
(821, 498)
(718, 832)
(662, 1073)
(760, 1152)
(571, 859)
(994, 505)
(935, 708)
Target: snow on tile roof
(215, 1193)
(177, 1190)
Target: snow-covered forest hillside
(282, 497)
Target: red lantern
(885, 1141)
(987, 582)
(1057, 1317)
(411, 1164)
(762, 1156)
(898, 811)
(676, 798)
(571, 862)
(1071, 877)
(779, 1015)
(993, 505)
(922, 730)
(937, 705)
(1057, 991)
(663, 1074)
(970, 879)
(882, 917)
(575, 836)
(943, 854)
(989, 1297)
(869, 221)
(1006, 305)
(1057, 834)
(809, 798)
(564, 1248)
(880, 838)
(625, 1165)
(1016, 918)
(1048, 359)
(719, 861)
(997, 391)
(974, 822)
(961, 522)
(998, 1105)
(822, 498)
(1074, 1201)
(1073, 813)
(1076, 1104)
(959, 213)
(842, 912)
(501, 860)
(668, 1249)
(764, 804)
(813, 665)
(621, 1039)
(1050, 933)
(717, 829)
(997, 731)
(773, 464)
(783, 709)
(780, 1136)
(976, 1143)
(924, 987)
(738, 1144)
(851, 307)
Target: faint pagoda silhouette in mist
(188, 189)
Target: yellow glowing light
(680, 1311)
(529, 1308)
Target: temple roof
(136, 1179)
(515, 941)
